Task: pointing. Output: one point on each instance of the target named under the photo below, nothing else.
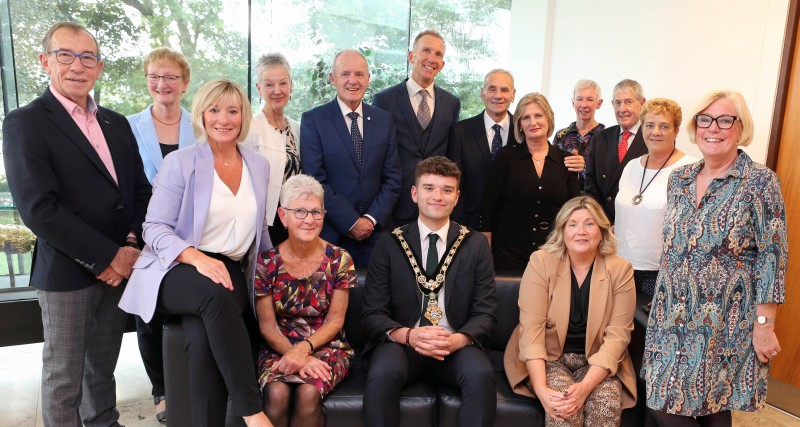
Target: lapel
(404, 101)
(62, 119)
(203, 185)
(477, 129)
(257, 175)
(115, 146)
(340, 124)
(598, 299)
(147, 129)
(612, 159)
(368, 131)
(186, 133)
(634, 151)
(450, 280)
(560, 302)
(411, 234)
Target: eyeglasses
(154, 78)
(88, 60)
(302, 213)
(724, 121)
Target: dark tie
(430, 269)
(497, 141)
(423, 110)
(356, 135)
(622, 148)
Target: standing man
(575, 138)
(474, 142)
(350, 147)
(428, 316)
(423, 114)
(78, 183)
(612, 148)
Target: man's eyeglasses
(302, 213)
(88, 60)
(153, 78)
(724, 121)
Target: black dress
(519, 207)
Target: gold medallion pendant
(433, 313)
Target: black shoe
(160, 416)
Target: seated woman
(575, 291)
(205, 225)
(302, 290)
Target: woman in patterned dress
(302, 290)
(274, 135)
(710, 336)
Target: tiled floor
(20, 375)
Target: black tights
(719, 419)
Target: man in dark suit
(475, 141)
(77, 180)
(423, 114)
(360, 175)
(612, 148)
(429, 317)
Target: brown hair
(541, 101)
(437, 165)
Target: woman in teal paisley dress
(302, 289)
(710, 335)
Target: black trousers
(151, 347)
(392, 366)
(217, 341)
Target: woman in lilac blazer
(205, 226)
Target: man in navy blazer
(416, 102)
(475, 141)
(350, 147)
(603, 166)
(77, 180)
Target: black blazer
(392, 300)
(413, 144)
(469, 149)
(65, 194)
(603, 168)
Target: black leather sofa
(421, 404)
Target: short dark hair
(437, 165)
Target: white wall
(678, 49)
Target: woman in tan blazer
(576, 300)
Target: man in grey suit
(423, 114)
(77, 180)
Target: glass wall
(224, 39)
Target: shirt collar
(738, 170)
(424, 231)
(413, 88)
(71, 106)
(634, 130)
(488, 122)
(346, 110)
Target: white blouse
(639, 227)
(231, 223)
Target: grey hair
(498, 71)
(631, 85)
(301, 186)
(271, 60)
(587, 84)
(339, 53)
(72, 26)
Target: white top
(440, 248)
(639, 227)
(271, 143)
(231, 225)
(413, 94)
(488, 122)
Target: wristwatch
(763, 320)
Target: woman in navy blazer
(160, 129)
(203, 230)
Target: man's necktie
(497, 141)
(358, 142)
(622, 148)
(431, 262)
(423, 111)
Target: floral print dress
(300, 306)
(721, 258)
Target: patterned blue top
(721, 258)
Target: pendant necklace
(638, 198)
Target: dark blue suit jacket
(328, 154)
(411, 145)
(65, 194)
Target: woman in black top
(527, 185)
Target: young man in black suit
(423, 114)
(77, 180)
(429, 316)
(612, 148)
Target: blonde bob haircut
(555, 243)
(663, 106)
(742, 112)
(538, 99)
(214, 93)
(165, 54)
